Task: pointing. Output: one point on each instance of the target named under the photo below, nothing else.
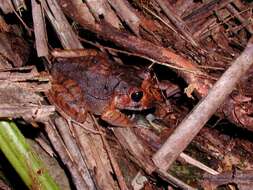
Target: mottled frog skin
(98, 85)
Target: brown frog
(96, 84)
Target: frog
(95, 83)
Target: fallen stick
(192, 124)
(40, 30)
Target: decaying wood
(82, 147)
(191, 125)
(40, 31)
(5, 6)
(23, 74)
(92, 149)
(236, 13)
(64, 31)
(73, 53)
(84, 11)
(30, 112)
(61, 149)
(102, 10)
(115, 166)
(242, 179)
(131, 143)
(177, 21)
(126, 14)
(164, 175)
(75, 153)
(17, 102)
(14, 49)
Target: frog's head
(137, 97)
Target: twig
(171, 179)
(176, 20)
(198, 164)
(192, 124)
(233, 11)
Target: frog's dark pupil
(137, 96)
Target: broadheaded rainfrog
(98, 85)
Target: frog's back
(84, 83)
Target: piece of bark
(29, 112)
(84, 11)
(192, 124)
(14, 49)
(22, 74)
(130, 142)
(242, 179)
(16, 101)
(68, 38)
(177, 21)
(33, 86)
(167, 177)
(75, 153)
(95, 155)
(5, 6)
(61, 149)
(40, 31)
(102, 10)
(13, 94)
(183, 6)
(111, 157)
(126, 14)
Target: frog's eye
(137, 96)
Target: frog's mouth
(137, 108)
(144, 111)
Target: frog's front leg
(114, 117)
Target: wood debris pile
(203, 47)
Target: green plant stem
(26, 163)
